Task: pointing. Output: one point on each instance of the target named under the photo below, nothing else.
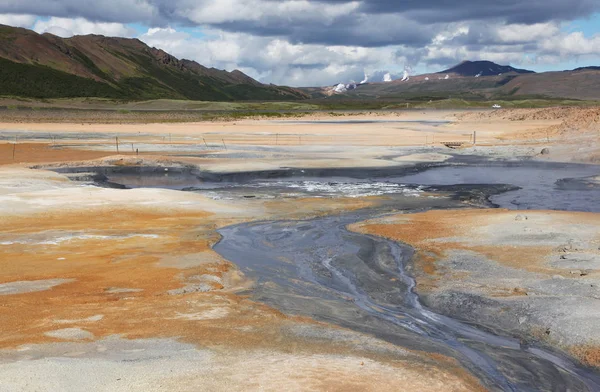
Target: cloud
(573, 44)
(120, 11)
(272, 60)
(65, 27)
(511, 11)
(17, 20)
(330, 22)
(282, 61)
(309, 42)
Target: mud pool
(550, 186)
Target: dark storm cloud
(357, 30)
(512, 11)
(122, 11)
(372, 23)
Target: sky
(318, 43)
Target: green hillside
(46, 66)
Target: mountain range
(480, 80)
(46, 66)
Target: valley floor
(120, 289)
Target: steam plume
(366, 79)
(340, 88)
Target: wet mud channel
(318, 268)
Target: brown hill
(579, 84)
(93, 65)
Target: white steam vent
(387, 77)
(340, 88)
(366, 79)
(406, 76)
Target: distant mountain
(580, 84)
(47, 66)
(482, 68)
(590, 68)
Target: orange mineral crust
(139, 265)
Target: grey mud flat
(318, 268)
(537, 185)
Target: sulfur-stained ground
(107, 289)
(531, 272)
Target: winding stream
(360, 282)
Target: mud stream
(320, 269)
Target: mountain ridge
(116, 67)
(44, 66)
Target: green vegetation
(154, 82)
(91, 65)
(39, 81)
(20, 113)
(109, 104)
(174, 110)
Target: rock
(70, 334)
(192, 288)
(575, 272)
(545, 151)
(521, 217)
(519, 291)
(572, 245)
(576, 245)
